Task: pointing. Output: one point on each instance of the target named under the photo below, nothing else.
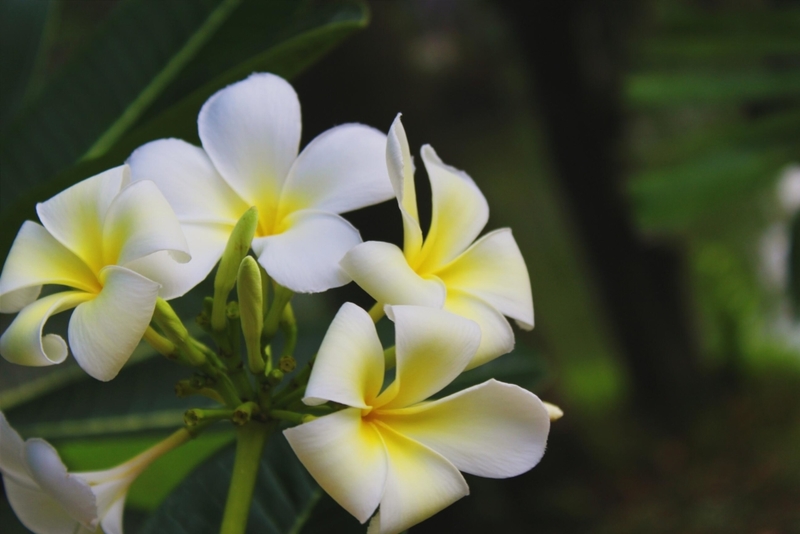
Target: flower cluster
(128, 240)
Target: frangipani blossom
(113, 244)
(482, 281)
(49, 500)
(250, 133)
(393, 449)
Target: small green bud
(275, 377)
(287, 364)
(232, 309)
(244, 413)
(228, 270)
(251, 312)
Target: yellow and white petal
(110, 498)
(341, 170)
(188, 180)
(401, 173)
(206, 243)
(497, 337)
(251, 132)
(349, 365)
(70, 491)
(346, 457)
(12, 449)
(75, 216)
(14, 301)
(493, 270)
(432, 348)
(39, 512)
(103, 332)
(493, 430)
(460, 212)
(141, 222)
(22, 343)
(37, 258)
(382, 271)
(419, 483)
(305, 257)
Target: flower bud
(251, 312)
(228, 270)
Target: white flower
(482, 281)
(49, 500)
(250, 133)
(390, 447)
(113, 244)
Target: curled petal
(75, 216)
(497, 337)
(305, 257)
(491, 430)
(14, 301)
(23, 343)
(39, 512)
(433, 347)
(493, 270)
(37, 258)
(401, 173)
(251, 131)
(349, 364)
(206, 242)
(382, 271)
(346, 457)
(342, 169)
(140, 222)
(419, 483)
(103, 332)
(459, 213)
(70, 491)
(188, 180)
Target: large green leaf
(284, 498)
(38, 157)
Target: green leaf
(305, 36)
(668, 89)
(283, 499)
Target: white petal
(112, 519)
(497, 337)
(491, 430)
(341, 170)
(401, 173)
(70, 491)
(305, 257)
(22, 343)
(432, 347)
(14, 301)
(39, 512)
(345, 456)
(459, 213)
(37, 258)
(12, 461)
(111, 503)
(103, 332)
(420, 482)
(251, 131)
(75, 216)
(140, 222)
(206, 244)
(382, 271)
(188, 180)
(494, 270)
(349, 364)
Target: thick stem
(376, 313)
(250, 440)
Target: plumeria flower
(49, 500)
(113, 244)
(250, 133)
(482, 281)
(394, 449)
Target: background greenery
(634, 147)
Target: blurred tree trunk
(575, 52)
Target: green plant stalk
(289, 328)
(273, 319)
(376, 313)
(250, 441)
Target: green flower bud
(251, 312)
(228, 270)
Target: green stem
(292, 417)
(376, 312)
(250, 440)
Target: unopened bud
(275, 377)
(228, 270)
(553, 411)
(287, 364)
(251, 312)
